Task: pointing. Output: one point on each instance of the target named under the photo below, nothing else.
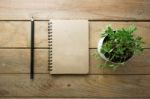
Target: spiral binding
(50, 46)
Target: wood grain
(74, 98)
(75, 86)
(41, 33)
(71, 98)
(130, 81)
(14, 34)
(18, 61)
(17, 33)
(75, 9)
(65, 98)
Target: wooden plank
(76, 9)
(17, 34)
(59, 98)
(14, 60)
(41, 33)
(73, 98)
(75, 86)
(18, 61)
(14, 34)
(64, 98)
(97, 27)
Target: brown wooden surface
(75, 85)
(74, 98)
(80, 9)
(18, 61)
(130, 81)
(17, 33)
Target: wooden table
(130, 81)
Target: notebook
(68, 46)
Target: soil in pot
(127, 54)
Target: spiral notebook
(68, 46)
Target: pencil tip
(32, 18)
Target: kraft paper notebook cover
(68, 46)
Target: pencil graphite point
(32, 18)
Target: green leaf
(120, 45)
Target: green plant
(120, 45)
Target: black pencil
(32, 50)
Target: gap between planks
(90, 20)
(45, 97)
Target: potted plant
(118, 46)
